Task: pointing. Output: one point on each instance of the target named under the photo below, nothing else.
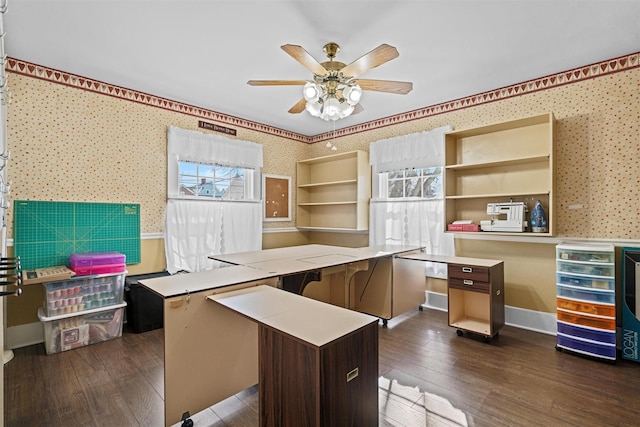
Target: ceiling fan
(334, 92)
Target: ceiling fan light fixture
(334, 93)
(332, 109)
(314, 108)
(312, 92)
(352, 94)
(346, 109)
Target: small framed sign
(276, 197)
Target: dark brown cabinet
(476, 296)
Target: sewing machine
(515, 217)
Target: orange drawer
(587, 307)
(472, 272)
(587, 320)
(468, 285)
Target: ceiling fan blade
(357, 109)
(376, 57)
(303, 57)
(276, 82)
(299, 107)
(390, 86)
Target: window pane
(432, 171)
(412, 187)
(396, 188)
(432, 187)
(187, 185)
(412, 172)
(396, 174)
(236, 189)
(222, 188)
(205, 171)
(187, 168)
(205, 188)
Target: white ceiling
(203, 52)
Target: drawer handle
(468, 282)
(467, 270)
(352, 375)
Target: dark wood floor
(428, 377)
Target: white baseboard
(24, 335)
(517, 317)
(33, 333)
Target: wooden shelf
(497, 195)
(510, 161)
(328, 183)
(333, 192)
(351, 202)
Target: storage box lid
(96, 258)
(44, 318)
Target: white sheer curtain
(409, 221)
(195, 229)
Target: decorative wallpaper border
(586, 72)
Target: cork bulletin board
(276, 197)
(46, 233)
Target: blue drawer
(589, 348)
(587, 333)
(594, 282)
(594, 295)
(585, 268)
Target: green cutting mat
(45, 233)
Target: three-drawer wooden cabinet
(476, 296)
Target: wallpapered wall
(74, 144)
(75, 139)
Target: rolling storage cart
(586, 300)
(475, 289)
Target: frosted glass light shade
(311, 92)
(352, 94)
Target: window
(414, 183)
(211, 181)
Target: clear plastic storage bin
(589, 269)
(588, 307)
(71, 331)
(83, 293)
(605, 296)
(593, 282)
(580, 253)
(598, 322)
(590, 348)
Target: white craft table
(210, 353)
(375, 280)
(212, 348)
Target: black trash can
(144, 308)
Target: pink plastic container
(88, 259)
(98, 269)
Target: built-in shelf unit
(501, 162)
(333, 192)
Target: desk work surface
(312, 321)
(481, 262)
(181, 284)
(295, 259)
